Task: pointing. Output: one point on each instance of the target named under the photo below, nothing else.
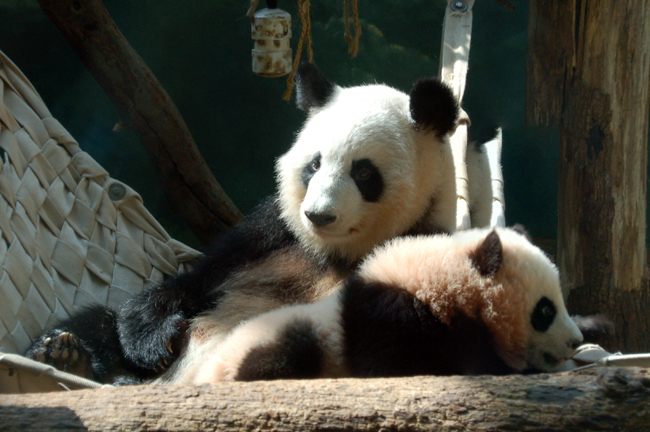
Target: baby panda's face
(554, 335)
(356, 175)
(532, 324)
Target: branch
(147, 109)
(613, 399)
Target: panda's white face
(551, 335)
(554, 335)
(360, 172)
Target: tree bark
(613, 399)
(188, 184)
(589, 70)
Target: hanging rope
(305, 20)
(353, 43)
(251, 9)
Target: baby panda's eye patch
(543, 315)
(310, 169)
(368, 179)
(363, 174)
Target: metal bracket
(458, 6)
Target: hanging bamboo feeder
(271, 30)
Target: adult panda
(371, 163)
(478, 302)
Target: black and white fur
(370, 164)
(478, 302)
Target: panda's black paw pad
(62, 350)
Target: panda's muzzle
(320, 219)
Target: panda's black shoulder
(257, 236)
(260, 232)
(388, 332)
(386, 329)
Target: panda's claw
(169, 347)
(62, 350)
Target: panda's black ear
(313, 90)
(488, 257)
(434, 106)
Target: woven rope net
(70, 235)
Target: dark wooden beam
(145, 107)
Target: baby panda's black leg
(86, 345)
(152, 325)
(296, 354)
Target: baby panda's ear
(313, 90)
(434, 106)
(488, 256)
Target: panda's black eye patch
(310, 169)
(368, 179)
(543, 315)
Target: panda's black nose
(320, 219)
(574, 343)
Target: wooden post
(589, 69)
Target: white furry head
(497, 277)
(370, 163)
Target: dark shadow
(18, 418)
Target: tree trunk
(588, 69)
(188, 184)
(613, 399)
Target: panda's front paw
(61, 349)
(162, 345)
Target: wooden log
(613, 399)
(589, 69)
(188, 184)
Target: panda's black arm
(151, 325)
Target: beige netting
(70, 235)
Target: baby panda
(478, 302)
(371, 163)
